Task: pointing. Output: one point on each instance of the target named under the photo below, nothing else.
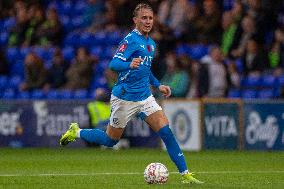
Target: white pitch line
(135, 173)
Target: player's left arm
(166, 90)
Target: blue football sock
(173, 148)
(97, 136)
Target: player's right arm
(120, 61)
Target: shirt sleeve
(121, 60)
(154, 81)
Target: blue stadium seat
(81, 94)
(14, 82)
(280, 81)
(24, 51)
(37, 94)
(3, 81)
(77, 22)
(268, 81)
(52, 94)
(96, 50)
(40, 51)
(251, 81)
(3, 38)
(66, 22)
(85, 40)
(266, 93)
(8, 94)
(65, 94)
(23, 95)
(100, 38)
(12, 54)
(9, 23)
(99, 82)
(249, 94)
(234, 93)
(113, 38)
(197, 51)
(80, 7)
(68, 53)
(18, 68)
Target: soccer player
(131, 96)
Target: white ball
(156, 173)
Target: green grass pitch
(92, 168)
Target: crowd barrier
(197, 124)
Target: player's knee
(165, 132)
(110, 142)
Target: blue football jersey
(134, 84)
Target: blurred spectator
(111, 77)
(209, 24)
(276, 53)
(50, 31)
(172, 13)
(5, 7)
(94, 14)
(123, 13)
(19, 31)
(36, 18)
(234, 75)
(4, 68)
(176, 77)
(229, 31)
(213, 78)
(56, 73)
(163, 37)
(243, 35)
(254, 59)
(237, 11)
(190, 34)
(79, 74)
(35, 73)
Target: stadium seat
(234, 93)
(77, 22)
(100, 38)
(68, 53)
(268, 81)
(80, 94)
(40, 51)
(65, 94)
(23, 95)
(18, 68)
(197, 51)
(85, 40)
(96, 50)
(8, 94)
(250, 81)
(280, 81)
(9, 23)
(12, 54)
(23, 52)
(249, 94)
(80, 7)
(52, 94)
(3, 38)
(266, 93)
(99, 82)
(3, 81)
(37, 94)
(14, 82)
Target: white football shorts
(123, 111)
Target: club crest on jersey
(122, 47)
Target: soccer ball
(156, 173)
